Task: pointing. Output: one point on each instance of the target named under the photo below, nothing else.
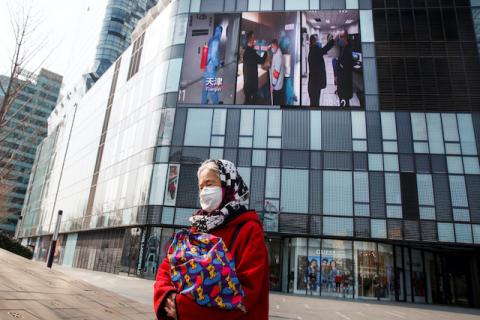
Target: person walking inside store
(234, 281)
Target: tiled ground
(29, 290)
(288, 306)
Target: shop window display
(336, 269)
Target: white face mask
(210, 198)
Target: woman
(221, 190)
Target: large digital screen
(288, 59)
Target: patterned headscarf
(235, 191)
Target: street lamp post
(19, 226)
(53, 243)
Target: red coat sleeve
(251, 261)
(162, 287)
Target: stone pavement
(31, 291)
(284, 307)
(28, 290)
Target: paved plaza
(29, 290)
(291, 307)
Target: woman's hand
(170, 308)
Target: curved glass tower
(121, 17)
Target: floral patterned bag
(202, 268)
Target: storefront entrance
(274, 258)
(367, 270)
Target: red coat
(251, 261)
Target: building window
(272, 183)
(419, 130)
(379, 228)
(136, 55)
(375, 162)
(246, 129)
(471, 165)
(390, 161)
(274, 129)
(198, 128)
(435, 137)
(425, 196)
(366, 26)
(333, 226)
(476, 233)
(296, 4)
(260, 134)
(316, 130)
(294, 191)
(158, 184)
(445, 232)
(467, 135)
(173, 76)
(218, 127)
(337, 193)
(359, 131)
(389, 132)
(463, 233)
(361, 194)
(393, 195)
(454, 165)
(458, 191)
(450, 129)
(259, 158)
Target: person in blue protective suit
(212, 84)
(284, 43)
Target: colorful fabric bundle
(202, 268)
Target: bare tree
(16, 108)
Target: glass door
(366, 275)
(399, 275)
(275, 267)
(130, 250)
(386, 272)
(418, 276)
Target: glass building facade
(120, 20)
(377, 201)
(24, 129)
